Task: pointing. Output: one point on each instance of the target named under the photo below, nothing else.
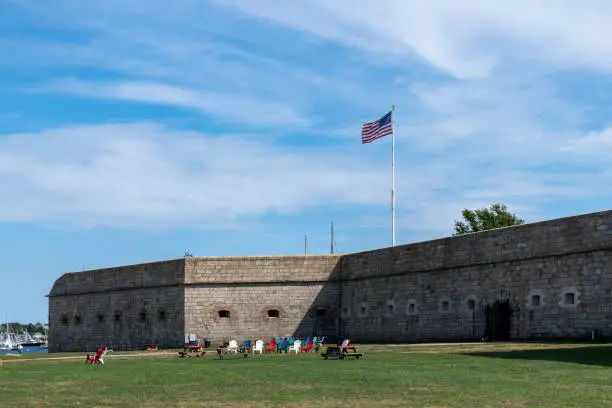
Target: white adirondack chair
(297, 345)
(258, 348)
(101, 359)
(346, 342)
(233, 346)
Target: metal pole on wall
(332, 238)
(393, 176)
(305, 244)
(473, 321)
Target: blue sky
(134, 131)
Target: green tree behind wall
(482, 219)
(19, 328)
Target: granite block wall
(261, 297)
(556, 276)
(124, 307)
(217, 298)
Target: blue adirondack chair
(283, 345)
(245, 346)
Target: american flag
(379, 128)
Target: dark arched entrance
(499, 317)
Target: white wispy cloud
(193, 45)
(228, 107)
(143, 173)
(487, 120)
(596, 145)
(464, 38)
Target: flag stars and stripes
(379, 128)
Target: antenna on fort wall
(305, 244)
(332, 238)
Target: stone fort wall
(217, 298)
(556, 276)
(261, 297)
(123, 306)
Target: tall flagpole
(393, 176)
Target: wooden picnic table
(224, 350)
(191, 350)
(341, 352)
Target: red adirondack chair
(97, 358)
(271, 348)
(308, 347)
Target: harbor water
(26, 350)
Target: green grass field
(480, 375)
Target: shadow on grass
(601, 356)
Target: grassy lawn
(481, 375)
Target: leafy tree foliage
(30, 327)
(482, 219)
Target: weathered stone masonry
(251, 288)
(555, 275)
(124, 306)
(216, 298)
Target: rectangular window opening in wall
(471, 304)
(569, 299)
(390, 309)
(445, 306)
(273, 313)
(536, 300)
(224, 314)
(363, 310)
(411, 308)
